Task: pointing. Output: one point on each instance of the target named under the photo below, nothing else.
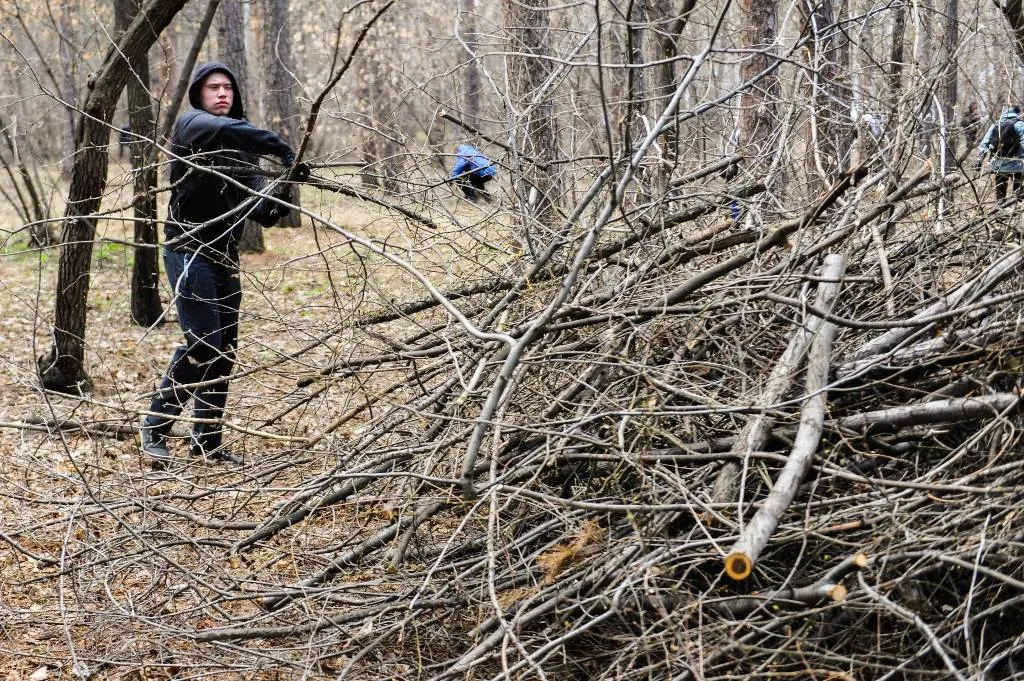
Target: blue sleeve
(462, 166)
(986, 144)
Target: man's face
(218, 96)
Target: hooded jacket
(207, 213)
(469, 160)
(1004, 164)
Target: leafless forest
(724, 383)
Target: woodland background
(723, 383)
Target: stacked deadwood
(673, 447)
(694, 449)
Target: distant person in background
(124, 140)
(472, 172)
(1003, 142)
(970, 125)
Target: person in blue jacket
(472, 172)
(205, 219)
(1005, 142)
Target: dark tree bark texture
(470, 36)
(63, 367)
(281, 113)
(538, 190)
(231, 46)
(758, 101)
(830, 127)
(145, 295)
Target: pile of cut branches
(674, 445)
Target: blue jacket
(471, 161)
(1004, 164)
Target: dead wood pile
(670, 446)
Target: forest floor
(52, 482)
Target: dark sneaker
(154, 445)
(227, 457)
(222, 455)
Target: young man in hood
(213, 172)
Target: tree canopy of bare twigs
(723, 382)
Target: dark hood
(194, 98)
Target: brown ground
(86, 500)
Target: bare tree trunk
(146, 309)
(467, 18)
(279, 100)
(948, 84)
(69, 70)
(830, 134)
(231, 31)
(534, 125)
(377, 91)
(758, 115)
(63, 367)
(1013, 12)
(894, 81)
(894, 77)
(668, 23)
(740, 560)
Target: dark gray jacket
(207, 213)
(1004, 164)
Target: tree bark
(1013, 12)
(533, 123)
(754, 537)
(467, 17)
(69, 63)
(281, 113)
(668, 23)
(757, 102)
(948, 83)
(377, 91)
(231, 31)
(63, 367)
(830, 133)
(146, 309)
(759, 427)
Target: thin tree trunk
(231, 31)
(63, 367)
(948, 84)
(279, 99)
(754, 537)
(69, 69)
(534, 124)
(146, 309)
(758, 115)
(378, 96)
(830, 134)
(759, 426)
(669, 24)
(467, 18)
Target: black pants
(207, 296)
(1003, 179)
(473, 185)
